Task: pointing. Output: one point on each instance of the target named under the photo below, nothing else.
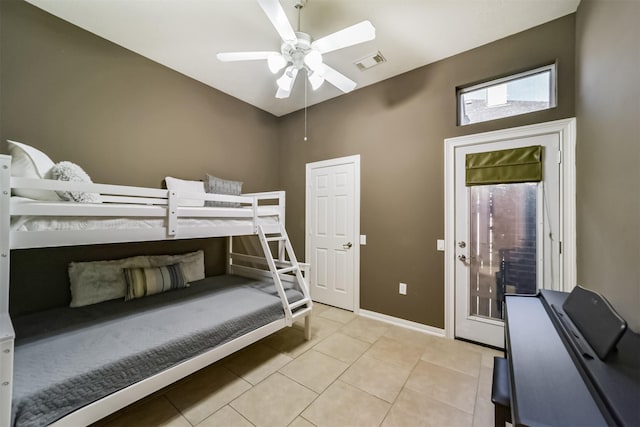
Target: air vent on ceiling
(369, 61)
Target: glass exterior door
(506, 239)
(502, 245)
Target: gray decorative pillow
(67, 171)
(217, 185)
(96, 281)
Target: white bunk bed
(129, 214)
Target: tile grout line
(166, 398)
(338, 377)
(332, 382)
(237, 412)
(401, 388)
(364, 391)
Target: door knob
(462, 244)
(462, 258)
(347, 245)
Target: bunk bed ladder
(282, 267)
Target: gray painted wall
(608, 152)
(398, 127)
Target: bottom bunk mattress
(69, 357)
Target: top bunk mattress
(69, 357)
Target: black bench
(500, 395)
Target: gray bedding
(69, 357)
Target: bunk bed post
(7, 334)
(282, 206)
(5, 215)
(172, 213)
(228, 267)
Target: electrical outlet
(402, 289)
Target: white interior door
(506, 237)
(332, 222)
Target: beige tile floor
(353, 372)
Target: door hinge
(559, 156)
(560, 247)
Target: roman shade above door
(504, 166)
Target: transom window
(521, 93)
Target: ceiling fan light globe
(276, 62)
(284, 82)
(316, 80)
(313, 59)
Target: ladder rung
(288, 269)
(298, 303)
(276, 239)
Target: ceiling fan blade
(244, 56)
(338, 79)
(278, 18)
(355, 34)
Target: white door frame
(566, 130)
(355, 160)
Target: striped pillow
(148, 281)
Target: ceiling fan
(300, 52)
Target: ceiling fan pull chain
(306, 83)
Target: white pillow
(67, 171)
(29, 162)
(181, 185)
(97, 281)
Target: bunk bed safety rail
(105, 189)
(174, 211)
(278, 196)
(123, 194)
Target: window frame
(553, 91)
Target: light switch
(363, 239)
(440, 245)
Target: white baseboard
(408, 324)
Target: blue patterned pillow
(222, 186)
(148, 281)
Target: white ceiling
(185, 35)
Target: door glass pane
(502, 245)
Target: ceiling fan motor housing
(295, 52)
(299, 4)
